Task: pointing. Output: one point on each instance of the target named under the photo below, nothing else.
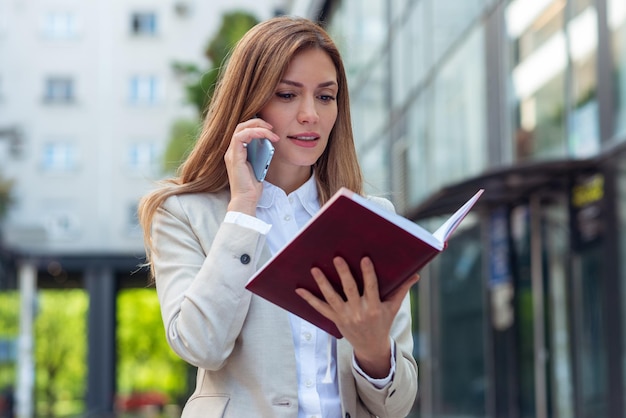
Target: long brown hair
(254, 69)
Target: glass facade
(459, 118)
(461, 378)
(449, 20)
(427, 71)
(542, 352)
(446, 95)
(408, 70)
(419, 152)
(591, 350)
(538, 60)
(553, 59)
(617, 25)
(359, 29)
(583, 136)
(621, 196)
(418, 94)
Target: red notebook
(352, 227)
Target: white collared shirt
(287, 214)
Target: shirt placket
(307, 336)
(308, 342)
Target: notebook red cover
(352, 227)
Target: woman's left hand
(364, 320)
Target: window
(144, 23)
(360, 28)
(60, 25)
(182, 8)
(142, 156)
(132, 220)
(583, 134)
(4, 160)
(61, 224)
(460, 310)
(459, 114)
(538, 65)
(617, 24)
(143, 89)
(59, 90)
(59, 156)
(554, 78)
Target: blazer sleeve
(395, 399)
(201, 266)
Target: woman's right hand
(244, 188)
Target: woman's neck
(290, 182)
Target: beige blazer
(242, 344)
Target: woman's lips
(304, 140)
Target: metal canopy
(505, 186)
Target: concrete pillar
(24, 392)
(101, 359)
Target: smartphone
(260, 153)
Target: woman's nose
(308, 112)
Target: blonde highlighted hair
(253, 70)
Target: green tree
(182, 137)
(61, 351)
(145, 360)
(5, 196)
(9, 331)
(200, 84)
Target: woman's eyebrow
(297, 84)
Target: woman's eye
(327, 98)
(285, 95)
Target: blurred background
(523, 316)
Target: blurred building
(88, 97)
(524, 314)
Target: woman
(209, 229)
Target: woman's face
(302, 112)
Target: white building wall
(87, 208)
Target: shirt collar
(306, 194)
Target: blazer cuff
(379, 383)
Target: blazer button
(245, 259)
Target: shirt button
(290, 199)
(287, 218)
(245, 259)
(309, 383)
(307, 336)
